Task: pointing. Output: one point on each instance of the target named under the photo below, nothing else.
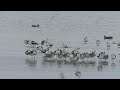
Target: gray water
(69, 27)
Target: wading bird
(98, 42)
(85, 40)
(108, 44)
(31, 53)
(113, 56)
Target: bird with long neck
(85, 40)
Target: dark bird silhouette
(42, 43)
(108, 37)
(36, 25)
(85, 40)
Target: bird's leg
(82, 59)
(27, 56)
(34, 57)
(31, 57)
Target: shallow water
(67, 27)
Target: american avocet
(98, 42)
(85, 40)
(31, 53)
(113, 56)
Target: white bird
(114, 43)
(33, 53)
(101, 55)
(31, 42)
(34, 43)
(108, 44)
(98, 42)
(41, 49)
(113, 56)
(27, 42)
(47, 44)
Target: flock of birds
(60, 54)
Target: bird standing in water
(108, 44)
(98, 42)
(31, 53)
(113, 56)
(85, 40)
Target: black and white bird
(46, 43)
(49, 45)
(31, 53)
(101, 55)
(27, 42)
(30, 42)
(42, 42)
(41, 49)
(28, 52)
(113, 56)
(34, 43)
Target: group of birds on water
(60, 54)
(34, 52)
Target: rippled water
(58, 26)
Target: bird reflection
(78, 74)
(46, 63)
(62, 75)
(99, 67)
(31, 63)
(103, 63)
(113, 65)
(59, 64)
